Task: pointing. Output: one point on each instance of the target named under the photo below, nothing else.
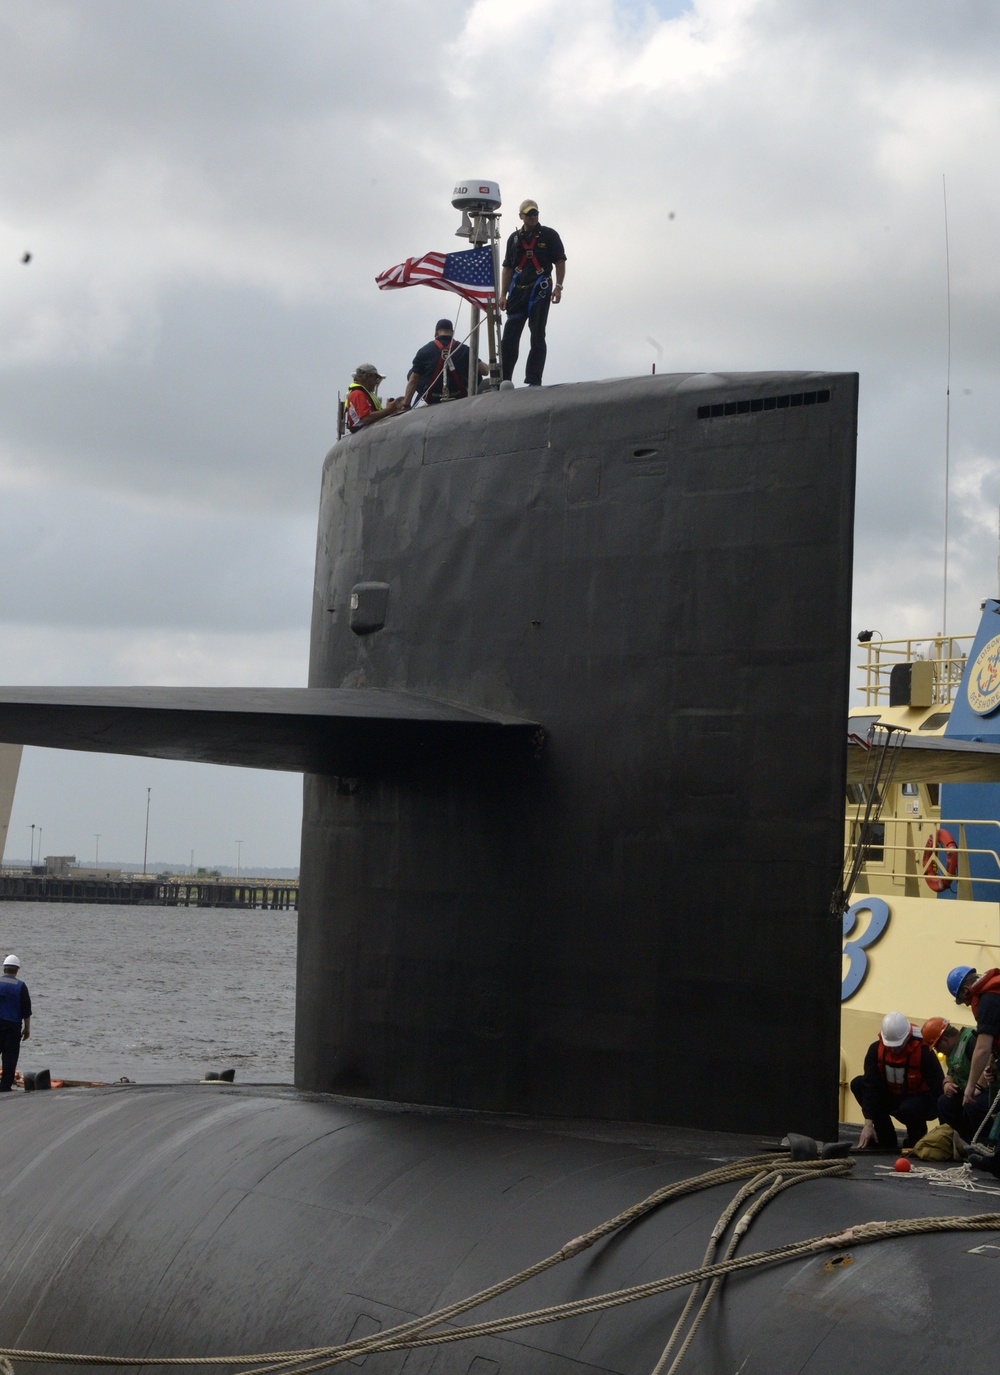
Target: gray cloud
(210, 186)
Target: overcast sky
(208, 188)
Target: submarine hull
(199, 1220)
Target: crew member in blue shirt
(440, 370)
(15, 1020)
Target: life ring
(940, 860)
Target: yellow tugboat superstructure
(922, 853)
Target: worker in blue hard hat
(902, 1079)
(981, 993)
(957, 980)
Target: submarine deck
(184, 1220)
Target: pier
(142, 890)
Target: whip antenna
(947, 408)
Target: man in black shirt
(526, 288)
(903, 1078)
(440, 369)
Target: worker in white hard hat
(903, 1079)
(362, 406)
(15, 1020)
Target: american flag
(468, 274)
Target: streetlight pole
(145, 843)
(97, 851)
(239, 847)
(31, 861)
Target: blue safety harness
(539, 288)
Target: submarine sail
(578, 678)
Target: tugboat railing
(913, 862)
(947, 653)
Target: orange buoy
(940, 862)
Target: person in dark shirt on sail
(534, 253)
(440, 370)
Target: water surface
(157, 994)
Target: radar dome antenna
(479, 202)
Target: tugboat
(922, 831)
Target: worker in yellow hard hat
(955, 1107)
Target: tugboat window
(861, 725)
(875, 852)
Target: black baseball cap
(444, 324)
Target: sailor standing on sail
(15, 1020)
(526, 289)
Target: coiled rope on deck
(776, 1172)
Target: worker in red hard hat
(902, 1079)
(956, 1045)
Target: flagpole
(481, 219)
(494, 314)
(474, 349)
(484, 231)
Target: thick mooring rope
(773, 1173)
(776, 1183)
